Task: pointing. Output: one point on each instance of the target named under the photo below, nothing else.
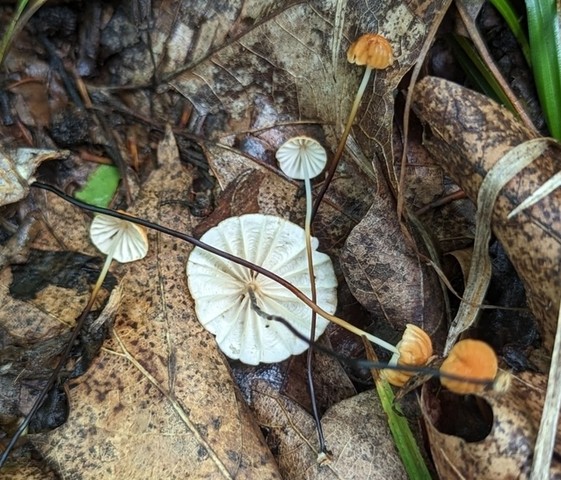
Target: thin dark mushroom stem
(358, 363)
(209, 248)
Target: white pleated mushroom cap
(128, 241)
(220, 287)
(301, 157)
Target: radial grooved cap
(220, 287)
(301, 157)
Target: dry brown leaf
(356, 431)
(283, 72)
(386, 276)
(506, 451)
(159, 401)
(469, 133)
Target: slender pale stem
(339, 153)
(308, 233)
(315, 307)
(105, 269)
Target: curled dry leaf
(468, 133)
(503, 448)
(17, 169)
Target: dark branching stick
(356, 363)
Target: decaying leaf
(469, 133)
(17, 169)
(386, 276)
(40, 301)
(355, 429)
(16, 248)
(159, 401)
(502, 444)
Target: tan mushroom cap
(415, 349)
(371, 50)
(127, 241)
(472, 359)
(301, 157)
(220, 287)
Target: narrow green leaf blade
(544, 26)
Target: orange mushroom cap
(472, 359)
(371, 50)
(415, 349)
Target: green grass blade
(544, 27)
(403, 438)
(24, 11)
(475, 68)
(11, 29)
(405, 443)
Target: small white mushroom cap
(220, 287)
(301, 157)
(125, 240)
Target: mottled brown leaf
(469, 133)
(356, 431)
(386, 276)
(506, 450)
(159, 401)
